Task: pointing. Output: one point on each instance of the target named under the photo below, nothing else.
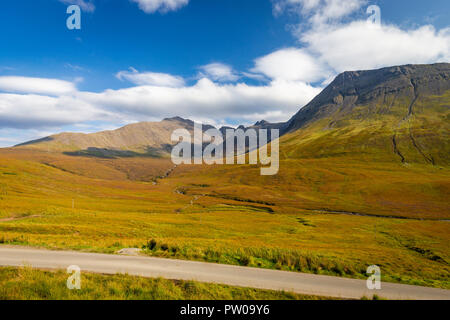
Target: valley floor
(303, 219)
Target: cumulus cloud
(219, 72)
(35, 85)
(361, 45)
(151, 78)
(336, 42)
(151, 6)
(85, 5)
(291, 64)
(207, 98)
(277, 101)
(37, 111)
(330, 10)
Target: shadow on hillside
(114, 154)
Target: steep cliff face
(392, 114)
(364, 88)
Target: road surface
(213, 273)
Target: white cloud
(291, 64)
(217, 101)
(277, 100)
(254, 76)
(361, 45)
(308, 5)
(219, 72)
(318, 11)
(334, 42)
(34, 111)
(151, 6)
(151, 78)
(35, 85)
(85, 5)
(335, 9)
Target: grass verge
(29, 284)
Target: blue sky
(216, 61)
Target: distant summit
(180, 119)
(261, 123)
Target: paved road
(213, 273)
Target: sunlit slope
(397, 113)
(392, 129)
(146, 169)
(143, 138)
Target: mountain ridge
(389, 94)
(359, 87)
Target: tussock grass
(29, 284)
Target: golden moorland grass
(28, 284)
(230, 218)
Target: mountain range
(392, 110)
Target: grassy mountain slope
(143, 138)
(393, 114)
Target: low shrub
(150, 245)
